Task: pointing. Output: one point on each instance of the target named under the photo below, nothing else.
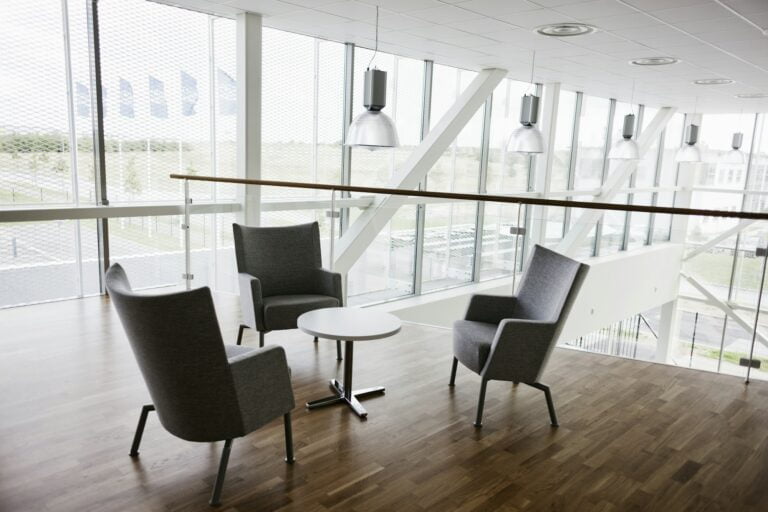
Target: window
(449, 233)
(302, 100)
(673, 136)
(614, 221)
(590, 155)
(507, 174)
(42, 261)
(385, 270)
(593, 130)
(644, 177)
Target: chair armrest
(251, 304)
(490, 309)
(520, 350)
(329, 283)
(263, 385)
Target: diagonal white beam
(613, 184)
(359, 235)
(719, 238)
(724, 307)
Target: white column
(249, 114)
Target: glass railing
(664, 290)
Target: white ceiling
(709, 39)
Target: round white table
(350, 325)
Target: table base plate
(340, 397)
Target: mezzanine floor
(633, 435)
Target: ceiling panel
(710, 40)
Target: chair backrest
(545, 288)
(177, 343)
(282, 258)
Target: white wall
(616, 287)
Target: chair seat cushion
(472, 343)
(236, 350)
(281, 311)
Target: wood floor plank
(634, 436)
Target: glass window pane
(35, 161)
(593, 130)
(41, 261)
(508, 173)
(673, 134)
(566, 111)
(156, 65)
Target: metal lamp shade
(373, 130)
(625, 149)
(526, 139)
(688, 153)
(734, 157)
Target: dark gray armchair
(281, 277)
(201, 389)
(511, 338)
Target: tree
(131, 181)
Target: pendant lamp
(735, 156)
(373, 129)
(689, 152)
(527, 139)
(626, 148)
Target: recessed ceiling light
(565, 29)
(654, 61)
(713, 81)
(752, 95)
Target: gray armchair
(202, 390)
(511, 338)
(281, 277)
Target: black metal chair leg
(453, 372)
(140, 429)
(240, 334)
(338, 350)
(216, 496)
(288, 439)
(261, 338)
(480, 404)
(550, 403)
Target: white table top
(349, 324)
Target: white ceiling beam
(364, 230)
(613, 184)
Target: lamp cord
(375, 48)
(533, 63)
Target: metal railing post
(421, 208)
(186, 226)
(761, 251)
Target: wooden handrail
(494, 198)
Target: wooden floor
(633, 435)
